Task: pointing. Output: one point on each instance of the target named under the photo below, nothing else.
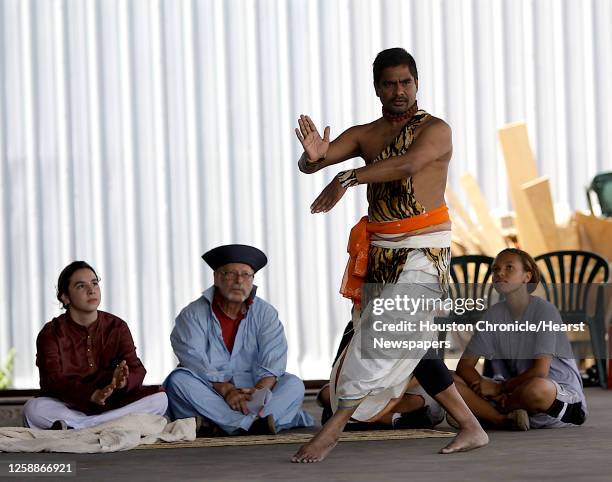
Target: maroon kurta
(74, 361)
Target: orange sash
(359, 244)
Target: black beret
(235, 253)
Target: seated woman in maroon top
(89, 370)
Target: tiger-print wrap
(393, 200)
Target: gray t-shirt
(512, 353)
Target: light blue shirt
(260, 349)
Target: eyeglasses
(234, 275)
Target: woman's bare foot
(470, 437)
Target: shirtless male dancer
(407, 152)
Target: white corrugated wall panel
(136, 134)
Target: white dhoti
(371, 380)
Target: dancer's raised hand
(314, 146)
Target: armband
(347, 178)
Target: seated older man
(232, 354)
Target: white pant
(41, 412)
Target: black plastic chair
(568, 278)
(601, 188)
(470, 279)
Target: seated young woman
(89, 370)
(536, 382)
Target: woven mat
(300, 438)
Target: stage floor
(581, 453)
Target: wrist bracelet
(347, 178)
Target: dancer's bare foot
(471, 437)
(317, 448)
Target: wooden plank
(596, 234)
(458, 249)
(569, 235)
(539, 198)
(472, 228)
(458, 208)
(521, 168)
(491, 229)
(467, 240)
